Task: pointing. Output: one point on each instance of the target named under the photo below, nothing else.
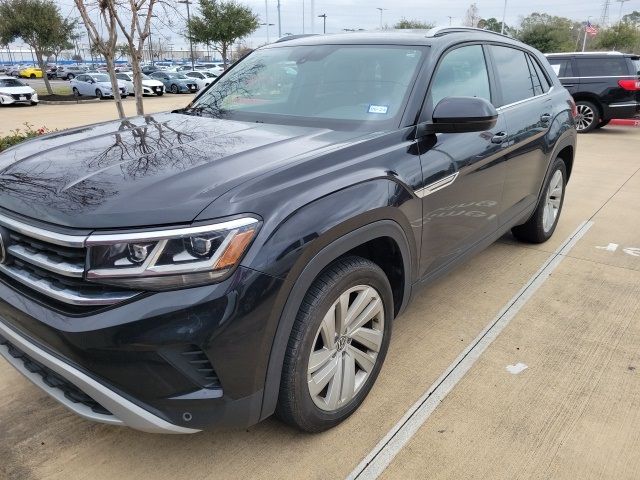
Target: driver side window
(461, 73)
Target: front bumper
(130, 358)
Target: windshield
(177, 75)
(356, 84)
(209, 74)
(101, 78)
(10, 82)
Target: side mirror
(463, 114)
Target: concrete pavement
(571, 414)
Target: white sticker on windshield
(556, 68)
(378, 109)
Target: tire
(603, 123)
(71, 76)
(174, 88)
(160, 94)
(76, 92)
(351, 279)
(33, 75)
(34, 104)
(99, 94)
(588, 116)
(540, 227)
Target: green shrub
(20, 135)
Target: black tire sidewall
(371, 275)
(558, 164)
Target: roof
(395, 37)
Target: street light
(187, 3)
(381, 10)
(263, 24)
(324, 22)
(504, 17)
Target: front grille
(44, 263)
(55, 381)
(23, 96)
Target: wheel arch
(368, 241)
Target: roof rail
(586, 53)
(294, 37)
(440, 31)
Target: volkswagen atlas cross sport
(248, 254)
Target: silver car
(96, 85)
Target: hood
(108, 84)
(17, 90)
(152, 83)
(144, 171)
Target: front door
(463, 173)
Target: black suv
(605, 85)
(247, 254)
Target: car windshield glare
(10, 82)
(349, 85)
(177, 75)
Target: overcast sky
(364, 14)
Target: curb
(68, 102)
(625, 122)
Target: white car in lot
(13, 91)
(149, 85)
(96, 85)
(202, 78)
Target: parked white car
(13, 90)
(203, 78)
(149, 85)
(96, 85)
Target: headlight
(165, 259)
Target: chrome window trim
(124, 411)
(108, 239)
(435, 186)
(519, 102)
(42, 234)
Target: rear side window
(562, 67)
(544, 81)
(602, 66)
(636, 66)
(540, 84)
(513, 73)
(461, 73)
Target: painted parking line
(385, 451)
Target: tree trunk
(43, 67)
(111, 68)
(137, 80)
(224, 48)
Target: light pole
(324, 22)
(187, 3)
(264, 24)
(279, 21)
(381, 11)
(150, 41)
(504, 17)
(584, 40)
(621, 2)
(450, 18)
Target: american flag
(591, 29)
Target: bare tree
(472, 17)
(136, 32)
(106, 45)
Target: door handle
(546, 118)
(499, 137)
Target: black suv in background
(605, 85)
(248, 254)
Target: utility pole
(450, 19)
(324, 22)
(604, 20)
(187, 3)
(381, 11)
(279, 21)
(621, 2)
(312, 14)
(303, 18)
(504, 17)
(266, 18)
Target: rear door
(463, 173)
(528, 111)
(565, 70)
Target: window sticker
(556, 68)
(383, 109)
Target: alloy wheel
(346, 347)
(553, 201)
(586, 116)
